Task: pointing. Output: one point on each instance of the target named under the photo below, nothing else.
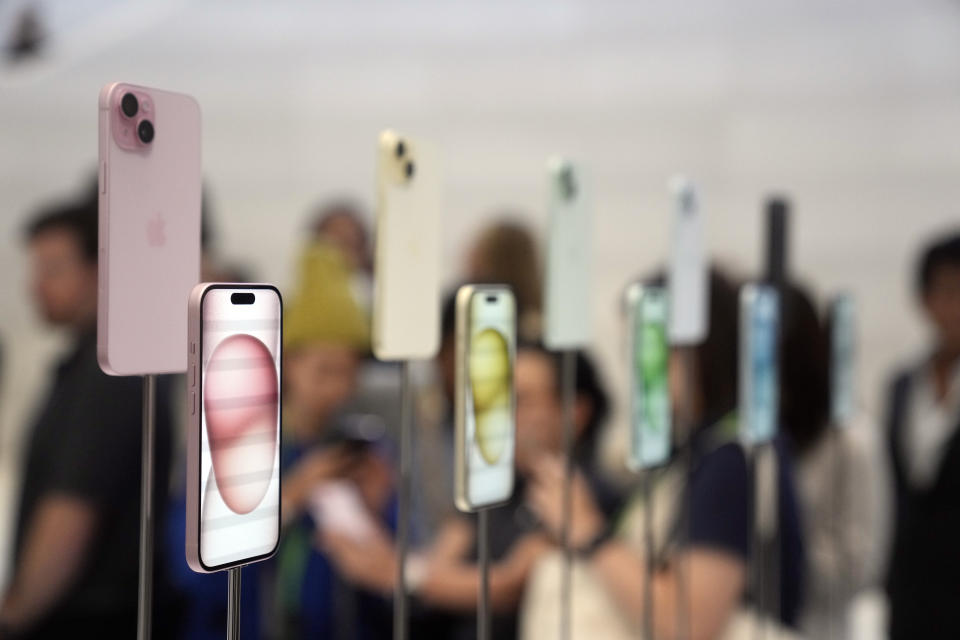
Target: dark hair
(804, 368)
(943, 251)
(79, 218)
(718, 357)
(589, 385)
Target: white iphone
(149, 227)
(759, 404)
(687, 277)
(567, 276)
(406, 307)
(233, 443)
(648, 347)
(486, 321)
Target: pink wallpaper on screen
(239, 440)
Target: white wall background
(852, 108)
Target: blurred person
(343, 224)
(433, 473)
(922, 417)
(446, 576)
(325, 452)
(506, 252)
(835, 471)
(77, 530)
(702, 520)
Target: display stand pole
(766, 539)
(568, 397)
(483, 557)
(233, 603)
(400, 613)
(685, 432)
(646, 482)
(145, 587)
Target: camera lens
(401, 149)
(408, 169)
(129, 105)
(145, 131)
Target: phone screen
(240, 351)
(842, 360)
(489, 437)
(759, 379)
(650, 392)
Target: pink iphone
(149, 227)
(233, 440)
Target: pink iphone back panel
(149, 228)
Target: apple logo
(156, 230)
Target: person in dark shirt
(445, 577)
(77, 531)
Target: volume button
(103, 178)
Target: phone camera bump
(408, 170)
(145, 131)
(401, 149)
(129, 105)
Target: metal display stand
(846, 568)
(400, 605)
(145, 586)
(483, 557)
(646, 482)
(233, 603)
(568, 397)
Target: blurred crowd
(74, 557)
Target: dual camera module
(401, 153)
(130, 107)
